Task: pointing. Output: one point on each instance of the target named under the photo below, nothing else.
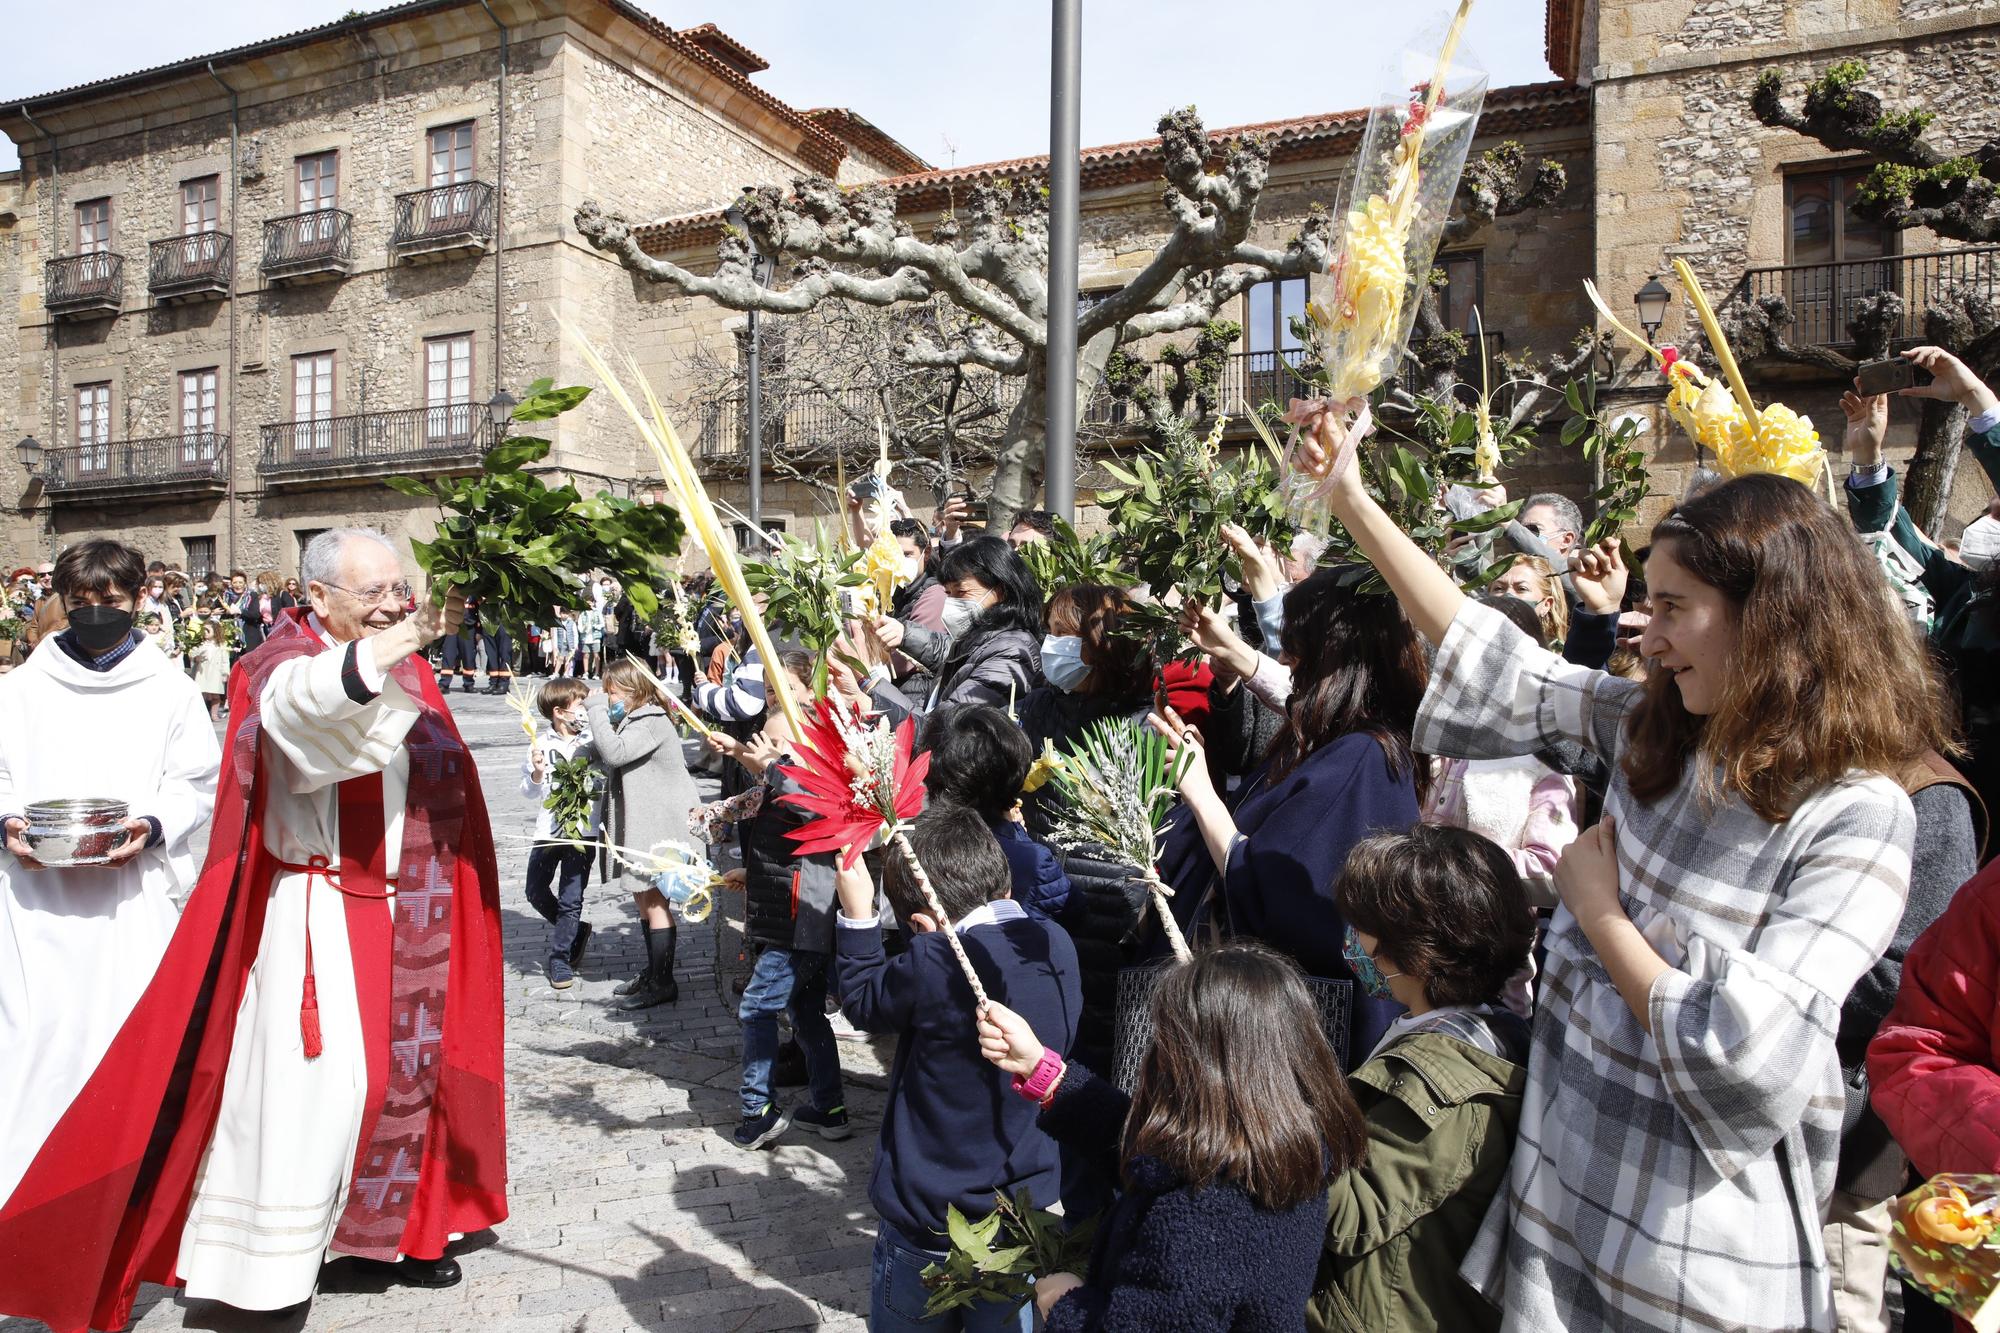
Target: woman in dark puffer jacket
(991, 650)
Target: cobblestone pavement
(631, 1209)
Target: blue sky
(955, 82)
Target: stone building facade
(395, 252)
(1684, 168)
(1524, 272)
(250, 286)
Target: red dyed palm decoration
(860, 779)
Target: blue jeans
(896, 1295)
(567, 869)
(793, 979)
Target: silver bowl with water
(81, 831)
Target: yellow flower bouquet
(1405, 177)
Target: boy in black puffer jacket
(788, 917)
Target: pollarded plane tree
(832, 373)
(989, 260)
(1916, 184)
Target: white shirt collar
(312, 623)
(990, 914)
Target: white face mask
(1979, 544)
(959, 613)
(1062, 661)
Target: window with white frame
(312, 402)
(448, 418)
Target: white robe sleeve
(187, 785)
(327, 734)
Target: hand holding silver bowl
(80, 831)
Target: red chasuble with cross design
(104, 1203)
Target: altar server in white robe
(95, 711)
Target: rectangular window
(1828, 248)
(305, 536)
(93, 227)
(198, 442)
(448, 389)
(93, 427)
(200, 552)
(1274, 348)
(450, 154)
(201, 205)
(312, 402)
(1464, 290)
(318, 181)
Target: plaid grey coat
(1676, 1181)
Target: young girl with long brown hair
(1682, 1117)
(1224, 1147)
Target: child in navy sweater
(980, 758)
(952, 1133)
(1225, 1145)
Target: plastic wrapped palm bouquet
(1405, 177)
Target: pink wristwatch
(1036, 1085)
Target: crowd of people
(1604, 948)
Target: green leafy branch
(573, 788)
(1066, 559)
(997, 1257)
(521, 547)
(1626, 482)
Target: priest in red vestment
(316, 1069)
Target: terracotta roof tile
(722, 44)
(1514, 110)
(1563, 37)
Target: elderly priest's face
(368, 596)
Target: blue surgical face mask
(1372, 980)
(1062, 661)
(616, 710)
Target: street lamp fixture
(29, 451)
(1652, 301)
(500, 410)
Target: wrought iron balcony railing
(303, 246)
(1827, 299)
(191, 267)
(443, 221)
(368, 443)
(87, 285)
(162, 463)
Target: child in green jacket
(1438, 918)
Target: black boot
(499, 684)
(658, 986)
(638, 978)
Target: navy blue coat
(1040, 885)
(1170, 1259)
(1297, 833)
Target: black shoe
(761, 1131)
(577, 945)
(498, 685)
(789, 1069)
(656, 990)
(413, 1272)
(828, 1124)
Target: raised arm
(1430, 598)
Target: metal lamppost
(500, 411)
(1065, 98)
(753, 389)
(29, 450)
(1652, 301)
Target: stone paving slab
(631, 1209)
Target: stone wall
(1684, 168)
